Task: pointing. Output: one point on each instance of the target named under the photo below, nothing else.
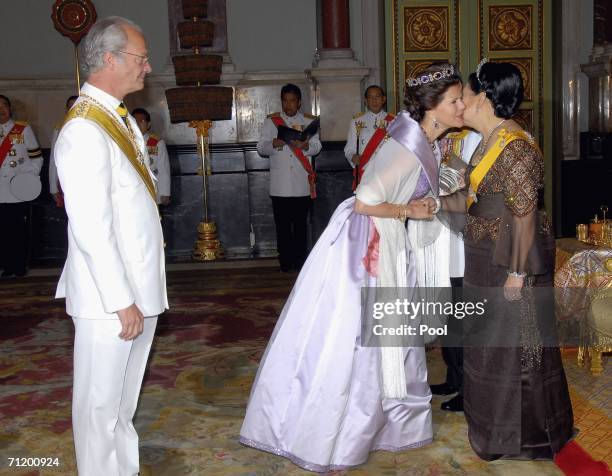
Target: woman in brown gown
(516, 398)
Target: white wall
(270, 43)
(272, 34)
(32, 48)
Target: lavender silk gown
(317, 398)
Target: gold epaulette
(359, 114)
(274, 114)
(309, 116)
(22, 123)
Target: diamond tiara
(430, 77)
(479, 67)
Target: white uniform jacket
(115, 243)
(53, 181)
(288, 178)
(159, 163)
(24, 157)
(370, 122)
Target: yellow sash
(480, 171)
(94, 113)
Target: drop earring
(435, 123)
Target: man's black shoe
(7, 274)
(455, 404)
(442, 389)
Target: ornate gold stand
(207, 247)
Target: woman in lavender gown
(319, 397)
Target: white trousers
(108, 373)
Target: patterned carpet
(203, 362)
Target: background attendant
(292, 186)
(460, 144)
(364, 124)
(20, 163)
(54, 186)
(158, 155)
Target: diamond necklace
(483, 145)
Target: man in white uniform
(114, 277)
(20, 163)
(461, 144)
(55, 188)
(364, 124)
(292, 177)
(158, 155)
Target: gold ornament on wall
(426, 29)
(510, 27)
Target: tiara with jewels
(479, 67)
(430, 77)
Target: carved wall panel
(426, 29)
(524, 65)
(515, 34)
(510, 27)
(525, 118)
(419, 35)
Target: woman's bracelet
(438, 205)
(402, 213)
(515, 274)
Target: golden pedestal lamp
(207, 247)
(199, 101)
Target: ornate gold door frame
(463, 32)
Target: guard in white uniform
(292, 177)
(55, 188)
(158, 155)
(461, 144)
(364, 124)
(20, 163)
(114, 277)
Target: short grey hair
(106, 36)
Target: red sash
(152, 141)
(365, 157)
(312, 177)
(389, 117)
(7, 144)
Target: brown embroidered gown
(516, 399)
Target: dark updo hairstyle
(426, 95)
(503, 85)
